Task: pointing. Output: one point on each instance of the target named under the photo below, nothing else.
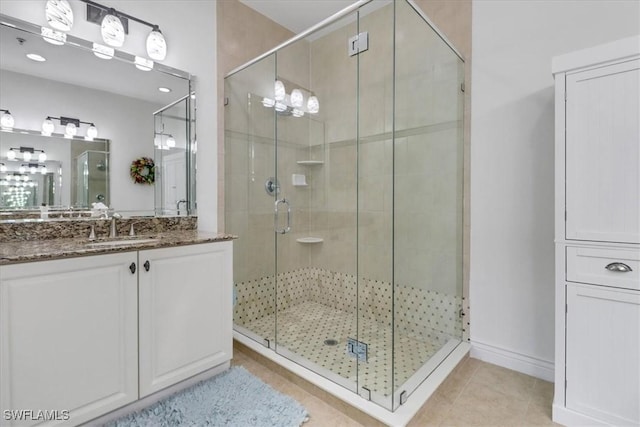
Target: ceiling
(297, 15)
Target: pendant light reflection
(70, 130)
(26, 156)
(43, 171)
(143, 64)
(102, 51)
(92, 132)
(297, 100)
(7, 121)
(11, 154)
(171, 141)
(112, 30)
(156, 45)
(313, 105)
(47, 127)
(42, 157)
(52, 36)
(279, 91)
(59, 14)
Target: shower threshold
(400, 417)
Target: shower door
(316, 210)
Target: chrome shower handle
(275, 217)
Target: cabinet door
(68, 330)
(603, 353)
(185, 312)
(603, 158)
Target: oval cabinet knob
(618, 267)
(132, 268)
(146, 265)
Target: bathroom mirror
(136, 112)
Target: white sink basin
(115, 243)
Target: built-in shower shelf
(310, 162)
(310, 240)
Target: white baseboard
(567, 417)
(538, 368)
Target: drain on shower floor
(330, 342)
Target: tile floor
(306, 326)
(475, 394)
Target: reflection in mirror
(120, 100)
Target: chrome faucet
(114, 230)
(178, 205)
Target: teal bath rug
(234, 398)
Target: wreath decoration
(143, 170)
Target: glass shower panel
(250, 192)
(316, 167)
(428, 191)
(375, 197)
(91, 179)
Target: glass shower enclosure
(344, 180)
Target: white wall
(189, 27)
(512, 262)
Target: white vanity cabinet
(91, 334)
(69, 336)
(185, 312)
(597, 234)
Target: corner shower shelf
(310, 240)
(310, 162)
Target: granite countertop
(12, 252)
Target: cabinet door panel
(69, 335)
(602, 154)
(185, 313)
(602, 353)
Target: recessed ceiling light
(35, 57)
(164, 89)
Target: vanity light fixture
(33, 168)
(113, 31)
(6, 121)
(59, 14)
(27, 153)
(71, 126)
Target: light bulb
(297, 99)
(59, 14)
(26, 156)
(24, 178)
(48, 127)
(268, 102)
(42, 157)
(112, 31)
(7, 121)
(32, 169)
(143, 64)
(11, 155)
(22, 169)
(102, 51)
(313, 105)
(43, 171)
(171, 141)
(52, 36)
(3, 167)
(156, 45)
(92, 132)
(70, 130)
(280, 92)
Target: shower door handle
(275, 217)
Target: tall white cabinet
(597, 232)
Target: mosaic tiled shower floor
(303, 328)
